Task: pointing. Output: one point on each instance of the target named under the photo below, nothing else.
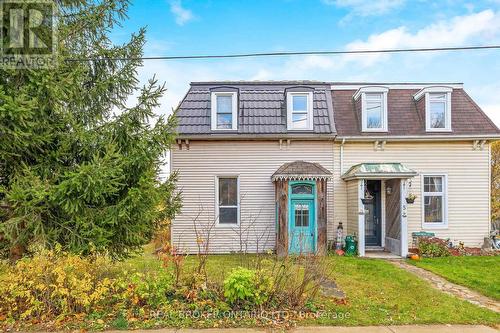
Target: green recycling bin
(350, 245)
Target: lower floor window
(434, 200)
(228, 200)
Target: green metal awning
(378, 171)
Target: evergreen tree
(78, 166)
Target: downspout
(342, 157)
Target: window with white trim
(228, 200)
(224, 111)
(434, 201)
(374, 112)
(299, 110)
(437, 111)
(373, 108)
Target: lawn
(478, 273)
(377, 292)
(380, 293)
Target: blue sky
(184, 27)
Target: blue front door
(302, 230)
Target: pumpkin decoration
(414, 257)
(339, 252)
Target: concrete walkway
(448, 287)
(340, 329)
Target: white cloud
(366, 8)
(182, 15)
(482, 27)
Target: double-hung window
(437, 111)
(299, 110)
(434, 201)
(437, 108)
(228, 200)
(373, 108)
(224, 111)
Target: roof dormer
(299, 106)
(437, 108)
(373, 108)
(224, 109)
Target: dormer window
(224, 110)
(299, 110)
(373, 108)
(437, 108)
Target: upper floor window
(224, 111)
(373, 108)
(299, 110)
(437, 112)
(437, 108)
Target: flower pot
(366, 201)
(410, 200)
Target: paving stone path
(449, 287)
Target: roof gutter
(258, 137)
(398, 175)
(459, 137)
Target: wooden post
(281, 191)
(321, 189)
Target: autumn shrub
(247, 287)
(54, 283)
(297, 281)
(433, 247)
(147, 289)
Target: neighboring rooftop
(407, 117)
(262, 108)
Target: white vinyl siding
(467, 172)
(254, 162)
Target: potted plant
(368, 199)
(410, 198)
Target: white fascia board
(451, 137)
(368, 89)
(397, 86)
(433, 89)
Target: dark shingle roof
(407, 117)
(262, 108)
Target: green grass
(218, 266)
(478, 273)
(380, 293)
